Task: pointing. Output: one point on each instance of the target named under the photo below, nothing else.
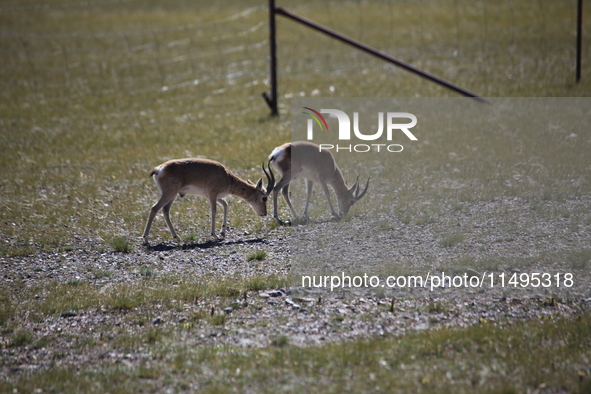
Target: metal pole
(376, 53)
(579, 37)
(272, 100)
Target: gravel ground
(304, 316)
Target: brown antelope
(305, 159)
(209, 179)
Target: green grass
(121, 244)
(66, 299)
(217, 320)
(580, 259)
(127, 296)
(153, 336)
(544, 354)
(22, 338)
(437, 307)
(94, 95)
(257, 255)
(6, 308)
(449, 240)
(84, 115)
(261, 283)
(280, 341)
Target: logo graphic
(390, 123)
(317, 117)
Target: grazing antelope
(307, 160)
(209, 179)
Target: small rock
(69, 314)
(157, 320)
(183, 320)
(247, 342)
(276, 293)
(228, 310)
(293, 304)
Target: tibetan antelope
(209, 179)
(305, 159)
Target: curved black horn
(359, 196)
(271, 178)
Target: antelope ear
(249, 181)
(260, 184)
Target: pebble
(314, 322)
(276, 293)
(69, 314)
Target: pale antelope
(305, 159)
(209, 179)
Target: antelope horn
(271, 178)
(359, 196)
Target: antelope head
(353, 195)
(258, 200)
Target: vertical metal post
(272, 98)
(579, 37)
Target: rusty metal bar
(374, 52)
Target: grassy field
(96, 93)
(483, 358)
(93, 98)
